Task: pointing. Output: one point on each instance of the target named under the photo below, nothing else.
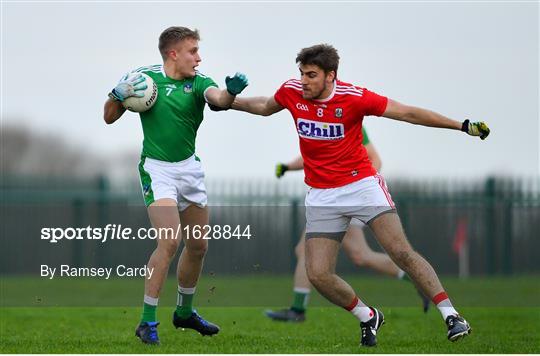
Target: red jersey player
(330, 130)
(328, 115)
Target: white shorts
(181, 181)
(329, 211)
(357, 223)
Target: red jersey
(330, 131)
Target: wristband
(114, 96)
(465, 126)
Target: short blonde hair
(172, 36)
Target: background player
(171, 175)
(354, 245)
(328, 115)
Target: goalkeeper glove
(236, 84)
(129, 85)
(475, 128)
(281, 168)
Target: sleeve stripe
(152, 68)
(205, 90)
(292, 87)
(200, 74)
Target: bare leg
(389, 233)
(359, 252)
(163, 213)
(189, 269)
(321, 256)
(192, 257)
(301, 279)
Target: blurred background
(471, 207)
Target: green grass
(259, 290)
(245, 330)
(504, 319)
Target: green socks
(149, 309)
(184, 307)
(184, 302)
(301, 297)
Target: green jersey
(365, 137)
(170, 126)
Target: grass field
(86, 316)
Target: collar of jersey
(330, 96)
(172, 79)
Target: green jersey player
(171, 176)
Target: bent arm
(418, 116)
(112, 111)
(296, 164)
(373, 156)
(218, 97)
(260, 105)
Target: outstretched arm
(260, 105)
(220, 98)
(224, 98)
(418, 116)
(294, 165)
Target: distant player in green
(172, 178)
(354, 245)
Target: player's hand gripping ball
(141, 92)
(136, 91)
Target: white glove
(131, 84)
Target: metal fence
(462, 227)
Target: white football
(147, 101)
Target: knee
(360, 260)
(169, 247)
(360, 257)
(198, 250)
(317, 277)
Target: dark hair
(172, 36)
(324, 56)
